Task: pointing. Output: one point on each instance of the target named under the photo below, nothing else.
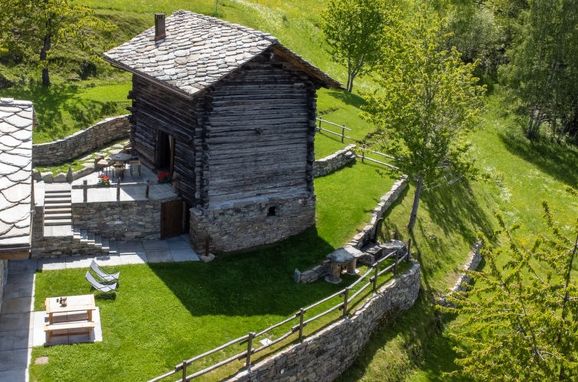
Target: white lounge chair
(104, 288)
(104, 276)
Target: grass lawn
(166, 312)
(522, 175)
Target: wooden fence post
(118, 190)
(345, 298)
(374, 281)
(319, 127)
(147, 190)
(408, 248)
(249, 350)
(184, 377)
(84, 191)
(342, 134)
(301, 314)
(362, 155)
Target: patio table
(74, 304)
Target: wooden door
(172, 219)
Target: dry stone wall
(241, 227)
(328, 353)
(334, 162)
(368, 232)
(82, 142)
(120, 220)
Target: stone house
(228, 113)
(16, 122)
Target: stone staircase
(60, 237)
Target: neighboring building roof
(16, 120)
(198, 51)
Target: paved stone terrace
(17, 318)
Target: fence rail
(364, 158)
(347, 301)
(342, 129)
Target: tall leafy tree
(354, 33)
(520, 320)
(39, 25)
(544, 70)
(428, 99)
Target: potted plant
(164, 177)
(104, 180)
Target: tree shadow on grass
(254, 283)
(455, 208)
(404, 342)
(557, 160)
(348, 98)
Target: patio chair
(104, 288)
(104, 276)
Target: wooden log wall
(158, 109)
(260, 130)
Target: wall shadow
(253, 283)
(557, 160)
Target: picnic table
(72, 317)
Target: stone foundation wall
(82, 142)
(3, 278)
(368, 232)
(334, 162)
(120, 220)
(328, 353)
(244, 227)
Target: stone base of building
(242, 227)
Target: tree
(520, 320)
(544, 71)
(354, 32)
(39, 25)
(427, 100)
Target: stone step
(57, 195)
(57, 216)
(57, 222)
(59, 210)
(50, 187)
(56, 206)
(59, 200)
(58, 230)
(57, 191)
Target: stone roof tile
(193, 54)
(16, 120)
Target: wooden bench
(71, 327)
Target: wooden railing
(364, 157)
(340, 134)
(348, 297)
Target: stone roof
(198, 51)
(16, 120)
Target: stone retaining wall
(242, 227)
(386, 201)
(125, 220)
(328, 353)
(334, 162)
(82, 142)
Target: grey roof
(16, 120)
(198, 51)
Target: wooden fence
(364, 157)
(340, 134)
(349, 298)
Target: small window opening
(272, 211)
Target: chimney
(160, 32)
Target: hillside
(519, 175)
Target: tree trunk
(414, 208)
(350, 78)
(43, 60)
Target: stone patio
(21, 327)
